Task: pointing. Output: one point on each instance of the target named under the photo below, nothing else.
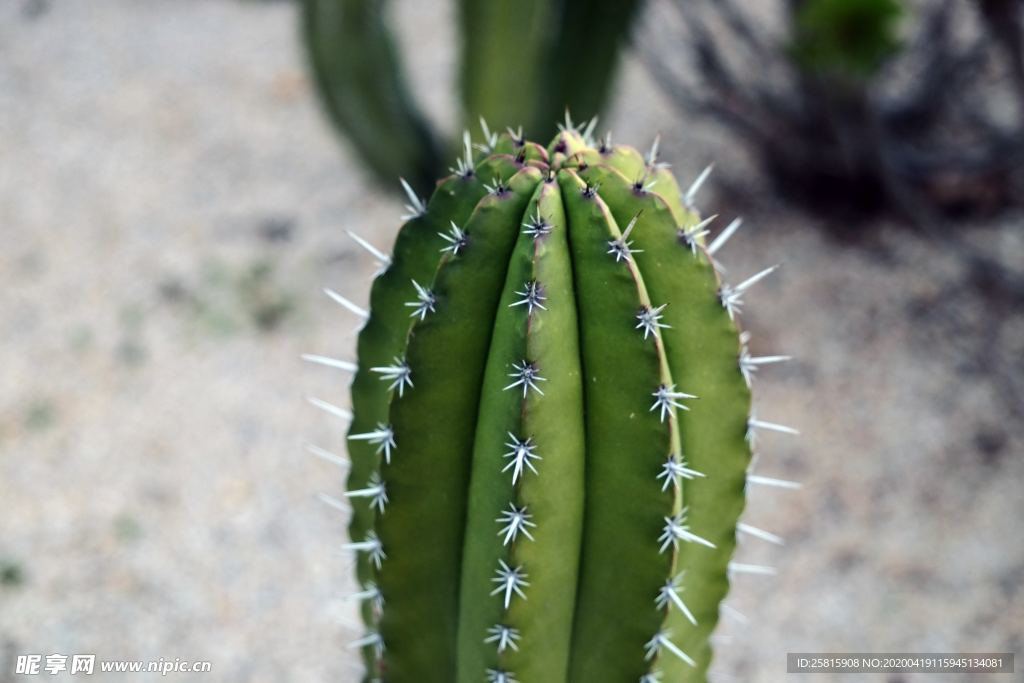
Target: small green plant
(40, 415)
(550, 431)
(11, 574)
(522, 63)
(846, 38)
(860, 107)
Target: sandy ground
(171, 202)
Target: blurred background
(175, 180)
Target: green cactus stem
(358, 74)
(551, 427)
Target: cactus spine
(551, 430)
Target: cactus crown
(551, 428)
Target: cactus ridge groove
(551, 436)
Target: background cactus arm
(578, 76)
(702, 346)
(428, 475)
(628, 441)
(358, 74)
(504, 46)
(536, 322)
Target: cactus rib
(526, 492)
(434, 428)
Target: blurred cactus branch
(583, 59)
(563, 53)
(503, 52)
(359, 77)
(523, 63)
(848, 121)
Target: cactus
(550, 433)
(538, 47)
(356, 71)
